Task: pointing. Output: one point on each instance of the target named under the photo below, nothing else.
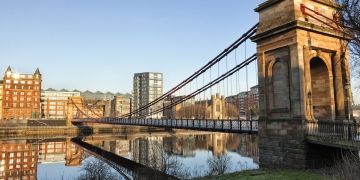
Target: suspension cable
(218, 58)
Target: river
(178, 153)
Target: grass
(270, 174)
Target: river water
(179, 153)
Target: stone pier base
(282, 143)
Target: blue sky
(99, 45)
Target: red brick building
(21, 95)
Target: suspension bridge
(294, 91)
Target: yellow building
(54, 103)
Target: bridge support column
(298, 80)
(69, 114)
(282, 143)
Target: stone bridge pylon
(303, 67)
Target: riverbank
(270, 174)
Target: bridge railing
(245, 126)
(335, 130)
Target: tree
(95, 169)
(166, 162)
(219, 164)
(349, 12)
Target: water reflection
(182, 154)
(95, 169)
(186, 155)
(18, 160)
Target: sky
(99, 45)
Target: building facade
(120, 105)
(54, 103)
(186, 109)
(246, 103)
(1, 98)
(147, 87)
(21, 95)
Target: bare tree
(347, 168)
(219, 165)
(167, 162)
(349, 12)
(95, 169)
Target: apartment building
(21, 95)
(147, 87)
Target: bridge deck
(232, 126)
(342, 134)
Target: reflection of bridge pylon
(73, 154)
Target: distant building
(181, 110)
(254, 96)
(246, 102)
(21, 95)
(106, 104)
(1, 98)
(215, 108)
(147, 87)
(120, 105)
(54, 103)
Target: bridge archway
(320, 89)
